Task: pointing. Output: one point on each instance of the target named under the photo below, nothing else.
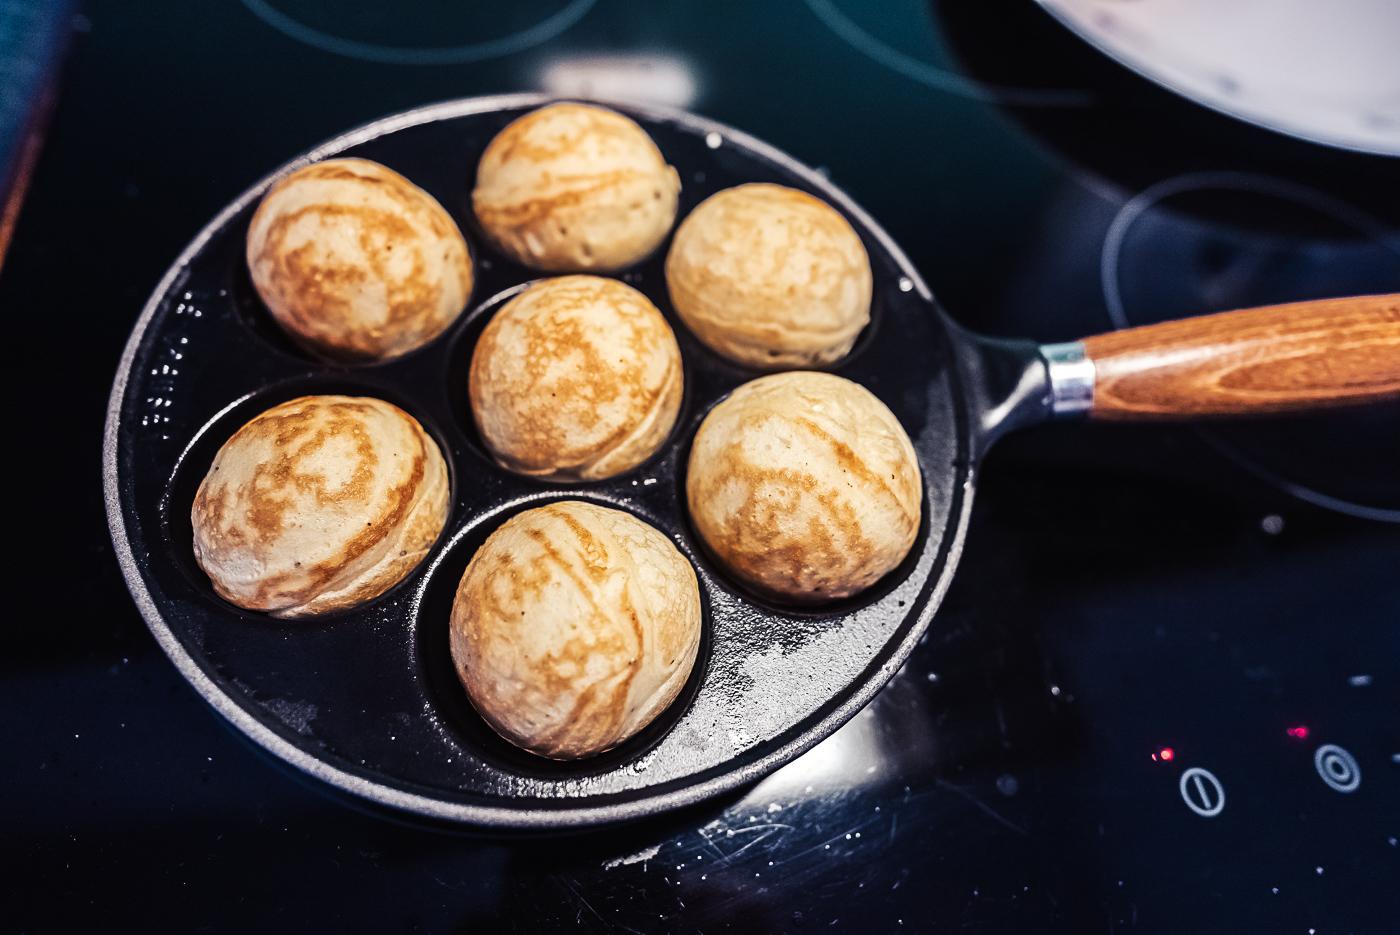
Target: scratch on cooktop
(991, 812)
(821, 844)
(704, 835)
(443, 883)
(769, 829)
(585, 904)
(1001, 724)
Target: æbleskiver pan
(366, 700)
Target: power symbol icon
(1202, 792)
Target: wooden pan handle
(1280, 358)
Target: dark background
(1124, 589)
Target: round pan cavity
(366, 701)
(194, 462)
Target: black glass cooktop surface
(1163, 695)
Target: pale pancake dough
(804, 486)
(770, 277)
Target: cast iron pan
(366, 700)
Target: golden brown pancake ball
(576, 378)
(770, 277)
(574, 187)
(356, 262)
(804, 486)
(573, 627)
(319, 504)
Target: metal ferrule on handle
(1071, 375)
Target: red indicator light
(1164, 755)
(1298, 733)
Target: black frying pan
(366, 700)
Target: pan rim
(512, 816)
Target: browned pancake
(573, 627)
(805, 486)
(357, 262)
(576, 377)
(318, 504)
(574, 187)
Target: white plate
(1323, 70)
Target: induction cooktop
(1164, 695)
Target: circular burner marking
(936, 76)
(544, 30)
(1289, 192)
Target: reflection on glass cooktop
(1161, 696)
